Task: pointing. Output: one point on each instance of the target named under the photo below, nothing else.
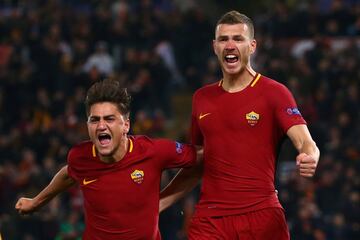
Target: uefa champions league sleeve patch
(179, 147)
(293, 111)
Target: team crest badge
(137, 176)
(252, 118)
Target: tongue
(104, 141)
(231, 60)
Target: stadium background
(51, 51)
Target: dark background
(52, 51)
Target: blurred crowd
(51, 51)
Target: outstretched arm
(60, 182)
(184, 181)
(309, 154)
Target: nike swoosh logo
(85, 182)
(203, 115)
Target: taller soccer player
(241, 122)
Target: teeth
(230, 56)
(103, 136)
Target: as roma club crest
(252, 118)
(137, 176)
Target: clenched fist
(307, 164)
(25, 205)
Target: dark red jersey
(241, 133)
(121, 199)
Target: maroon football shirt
(241, 133)
(121, 199)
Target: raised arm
(60, 182)
(309, 154)
(184, 181)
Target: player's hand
(25, 205)
(307, 164)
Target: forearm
(309, 153)
(309, 147)
(184, 181)
(60, 182)
(302, 141)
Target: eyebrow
(95, 117)
(231, 36)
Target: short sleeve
(173, 154)
(195, 132)
(70, 162)
(287, 112)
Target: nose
(230, 45)
(101, 125)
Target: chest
(234, 113)
(121, 188)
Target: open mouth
(231, 58)
(104, 138)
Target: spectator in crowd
(101, 60)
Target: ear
(252, 46)
(127, 126)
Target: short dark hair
(234, 17)
(108, 90)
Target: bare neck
(119, 154)
(238, 82)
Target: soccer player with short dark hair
(119, 175)
(241, 122)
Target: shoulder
(145, 142)
(80, 150)
(154, 147)
(208, 89)
(273, 88)
(141, 140)
(142, 144)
